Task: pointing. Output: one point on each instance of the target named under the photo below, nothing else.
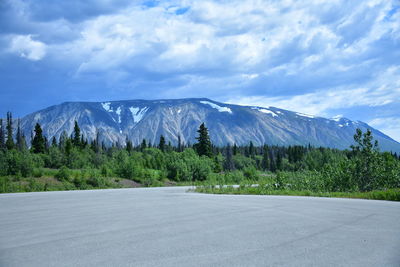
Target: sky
(325, 58)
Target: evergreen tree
(235, 149)
(62, 140)
(169, 146)
(228, 163)
(129, 146)
(251, 149)
(77, 135)
(161, 145)
(10, 141)
(272, 162)
(203, 147)
(265, 159)
(46, 144)
(21, 142)
(38, 141)
(95, 145)
(2, 136)
(143, 145)
(279, 161)
(68, 147)
(54, 142)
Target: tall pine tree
(2, 136)
(77, 135)
(161, 145)
(10, 141)
(204, 146)
(143, 145)
(228, 163)
(265, 159)
(38, 141)
(21, 142)
(129, 146)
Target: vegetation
(73, 162)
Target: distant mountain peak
(116, 121)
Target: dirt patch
(129, 183)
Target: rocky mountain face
(114, 121)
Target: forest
(73, 162)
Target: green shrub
(234, 177)
(63, 174)
(251, 173)
(38, 172)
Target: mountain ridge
(139, 119)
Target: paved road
(169, 227)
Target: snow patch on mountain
(219, 108)
(118, 111)
(138, 113)
(266, 111)
(337, 118)
(107, 106)
(305, 115)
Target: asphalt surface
(169, 227)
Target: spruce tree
(54, 142)
(143, 145)
(21, 143)
(46, 144)
(203, 147)
(228, 163)
(77, 135)
(129, 146)
(265, 159)
(10, 141)
(62, 140)
(272, 162)
(279, 161)
(235, 149)
(68, 147)
(161, 145)
(2, 136)
(251, 149)
(38, 141)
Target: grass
(389, 194)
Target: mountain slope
(148, 119)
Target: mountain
(227, 123)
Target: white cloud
(382, 90)
(25, 47)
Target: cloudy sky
(319, 57)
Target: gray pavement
(169, 227)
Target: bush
(97, 182)
(234, 177)
(63, 174)
(251, 173)
(38, 172)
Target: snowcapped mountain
(227, 123)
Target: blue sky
(325, 58)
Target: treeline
(78, 163)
